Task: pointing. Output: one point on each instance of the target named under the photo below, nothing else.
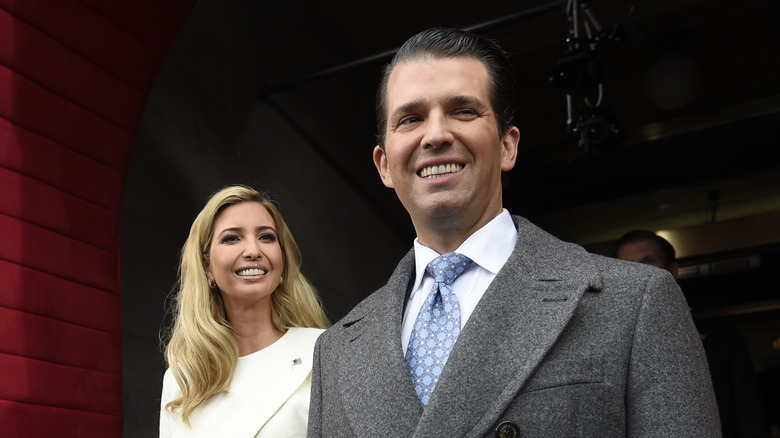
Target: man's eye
(466, 112)
(408, 120)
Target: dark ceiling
(694, 87)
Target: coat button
(507, 429)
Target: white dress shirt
(488, 248)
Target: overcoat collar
(375, 382)
(515, 324)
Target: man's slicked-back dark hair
(440, 43)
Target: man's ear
(509, 148)
(380, 161)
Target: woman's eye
(230, 238)
(267, 237)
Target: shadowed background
(191, 96)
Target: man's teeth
(250, 272)
(434, 171)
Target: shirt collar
(489, 247)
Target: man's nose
(438, 131)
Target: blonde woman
(245, 323)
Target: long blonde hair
(202, 352)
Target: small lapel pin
(296, 361)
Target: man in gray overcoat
(489, 326)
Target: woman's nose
(252, 250)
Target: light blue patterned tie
(437, 326)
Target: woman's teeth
(251, 272)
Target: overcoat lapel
(511, 330)
(375, 382)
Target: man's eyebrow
(455, 99)
(466, 100)
(407, 108)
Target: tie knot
(447, 267)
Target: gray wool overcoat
(563, 343)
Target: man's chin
(440, 205)
(442, 211)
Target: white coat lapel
(294, 361)
(261, 384)
(291, 366)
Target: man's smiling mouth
(441, 169)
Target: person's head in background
(643, 246)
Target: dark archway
(74, 79)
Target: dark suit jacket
(563, 343)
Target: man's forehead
(436, 63)
(411, 78)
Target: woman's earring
(212, 284)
